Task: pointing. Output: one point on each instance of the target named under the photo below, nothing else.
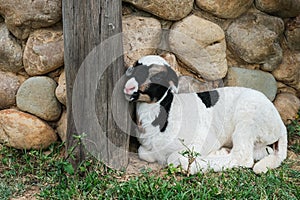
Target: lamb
(229, 127)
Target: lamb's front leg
(146, 155)
(202, 164)
(216, 160)
(190, 159)
(176, 159)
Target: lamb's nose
(131, 86)
(129, 90)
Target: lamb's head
(149, 80)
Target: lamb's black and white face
(149, 83)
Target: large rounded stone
(10, 51)
(254, 38)
(61, 91)
(21, 16)
(24, 131)
(283, 88)
(281, 8)
(171, 59)
(9, 84)
(292, 33)
(37, 96)
(255, 79)
(166, 9)
(188, 84)
(288, 71)
(141, 37)
(44, 51)
(200, 45)
(225, 9)
(288, 106)
(179, 69)
(56, 74)
(62, 126)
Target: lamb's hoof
(174, 159)
(146, 155)
(260, 168)
(198, 165)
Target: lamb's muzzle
(131, 87)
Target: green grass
(49, 176)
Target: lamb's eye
(156, 78)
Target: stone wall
(209, 43)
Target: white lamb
(229, 127)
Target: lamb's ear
(129, 71)
(155, 69)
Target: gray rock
(21, 17)
(200, 45)
(281, 8)
(9, 84)
(141, 37)
(24, 131)
(44, 51)
(225, 9)
(255, 79)
(254, 38)
(169, 10)
(292, 33)
(37, 96)
(10, 51)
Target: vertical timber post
(88, 25)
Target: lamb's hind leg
(240, 155)
(243, 144)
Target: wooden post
(94, 65)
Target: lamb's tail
(275, 159)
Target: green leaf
(69, 168)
